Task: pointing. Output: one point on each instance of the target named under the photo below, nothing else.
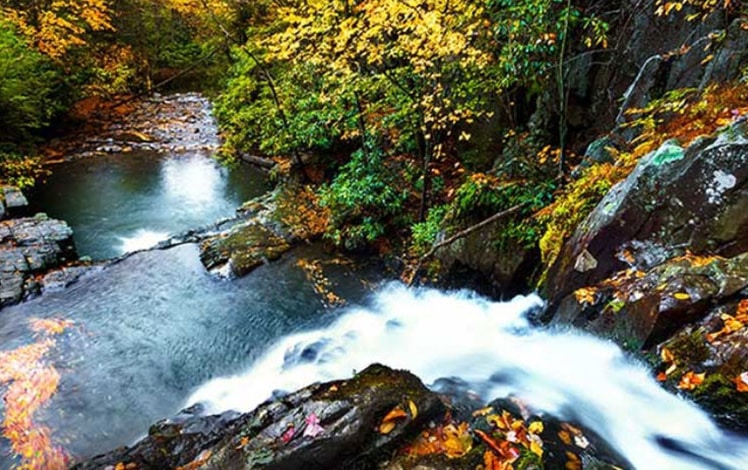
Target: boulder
(322, 426)
(717, 347)
(641, 309)
(675, 200)
(30, 247)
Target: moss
(719, 395)
(690, 348)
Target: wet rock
(640, 309)
(241, 249)
(717, 347)
(276, 436)
(675, 200)
(30, 247)
(14, 200)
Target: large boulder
(323, 426)
(379, 419)
(675, 200)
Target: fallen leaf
(565, 437)
(690, 380)
(386, 428)
(681, 296)
(666, 355)
(288, 434)
(483, 411)
(457, 440)
(741, 382)
(312, 429)
(395, 413)
(413, 409)
(536, 427)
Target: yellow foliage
(56, 26)
(684, 116)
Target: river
(154, 332)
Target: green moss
(690, 348)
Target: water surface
(128, 201)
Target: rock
(349, 412)
(675, 200)
(712, 348)
(14, 201)
(30, 247)
(641, 309)
(242, 249)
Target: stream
(154, 332)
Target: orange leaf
(741, 382)
(690, 380)
(395, 413)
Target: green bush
(27, 84)
(362, 199)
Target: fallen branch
(462, 234)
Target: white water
(141, 239)
(493, 346)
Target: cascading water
(494, 347)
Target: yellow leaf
(413, 409)
(386, 428)
(666, 356)
(681, 296)
(536, 427)
(482, 411)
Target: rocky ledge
(381, 418)
(34, 251)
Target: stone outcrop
(275, 434)
(662, 264)
(31, 247)
(675, 199)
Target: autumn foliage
(31, 382)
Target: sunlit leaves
(55, 27)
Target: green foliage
(19, 170)
(27, 84)
(362, 199)
(426, 233)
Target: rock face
(675, 199)
(279, 434)
(661, 265)
(30, 247)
